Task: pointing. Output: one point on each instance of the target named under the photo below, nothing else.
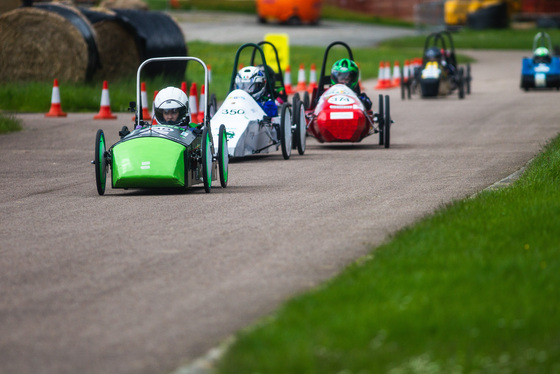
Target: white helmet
(251, 80)
(172, 99)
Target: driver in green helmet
(346, 71)
(541, 55)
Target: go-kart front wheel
(206, 160)
(387, 123)
(286, 131)
(223, 156)
(100, 162)
(300, 126)
(381, 121)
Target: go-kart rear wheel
(461, 83)
(212, 106)
(387, 123)
(468, 80)
(100, 162)
(306, 100)
(206, 160)
(381, 121)
(223, 156)
(300, 132)
(295, 103)
(286, 131)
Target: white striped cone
(406, 71)
(105, 107)
(312, 79)
(56, 108)
(301, 85)
(381, 80)
(396, 74)
(209, 73)
(288, 81)
(193, 104)
(388, 74)
(201, 105)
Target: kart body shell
(340, 116)
(162, 156)
(540, 73)
(336, 114)
(249, 129)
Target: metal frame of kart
(285, 139)
(459, 79)
(207, 163)
(382, 118)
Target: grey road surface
(142, 282)
(242, 28)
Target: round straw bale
(7, 5)
(46, 42)
(116, 44)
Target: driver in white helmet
(252, 80)
(172, 107)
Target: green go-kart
(155, 156)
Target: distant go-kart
(162, 156)
(336, 114)
(439, 74)
(542, 70)
(249, 129)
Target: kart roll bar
(177, 58)
(236, 63)
(540, 39)
(277, 76)
(326, 79)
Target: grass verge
(9, 123)
(471, 289)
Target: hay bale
(45, 42)
(116, 44)
(7, 5)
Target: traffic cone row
(386, 80)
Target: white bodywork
(247, 134)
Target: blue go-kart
(542, 70)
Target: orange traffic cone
(184, 87)
(174, 4)
(381, 79)
(301, 85)
(193, 105)
(209, 73)
(201, 105)
(105, 107)
(396, 75)
(288, 81)
(144, 97)
(312, 79)
(406, 71)
(56, 109)
(154, 120)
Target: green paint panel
(148, 162)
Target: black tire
(223, 156)
(468, 80)
(124, 131)
(387, 124)
(206, 160)
(381, 120)
(100, 162)
(403, 84)
(285, 131)
(295, 103)
(300, 132)
(212, 106)
(461, 83)
(306, 100)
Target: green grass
(8, 123)
(472, 289)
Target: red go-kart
(336, 114)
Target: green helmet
(345, 71)
(541, 52)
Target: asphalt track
(143, 282)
